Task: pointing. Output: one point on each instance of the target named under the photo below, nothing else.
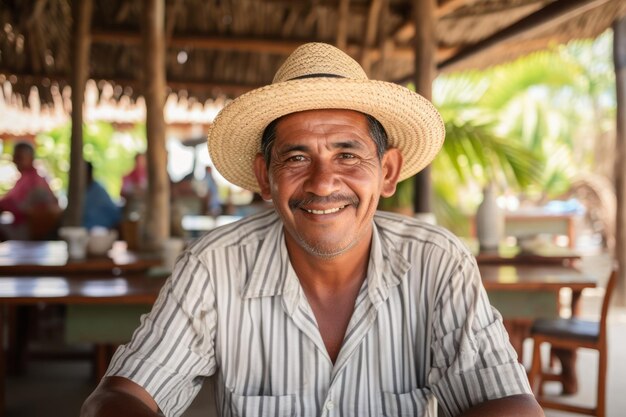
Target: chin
(325, 251)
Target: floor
(58, 388)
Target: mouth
(327, 211)
(317, 205)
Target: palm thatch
(222, 48)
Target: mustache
(344, 199)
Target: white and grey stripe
(422, 328)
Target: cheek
(366, 178)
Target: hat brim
(412, 123)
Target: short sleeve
(173, 348)
(472, 359)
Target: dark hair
(377, 133)
(24, 147)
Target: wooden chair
(572, 334)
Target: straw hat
(320, 76)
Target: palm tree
(530, 126)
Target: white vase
(489, 221)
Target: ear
(262, 176)
(391, 164)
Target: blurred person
(30, 198)
(135, 183)
(213, 202)
(99, 209)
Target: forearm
(116, 397)
(523, 405)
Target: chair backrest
(608, 293)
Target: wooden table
(33, 272)
(533, 222)
(534, 277)
(534, 282)
(68, 290)
(37, 258)
(513, 256)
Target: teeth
(329, 211)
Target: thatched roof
(226, 47)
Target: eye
(296, 158)
(347, 158)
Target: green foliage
(111, 152)
(529, 126)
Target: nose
(322, 180)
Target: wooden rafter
(384, 45)
(203, 42)
(342, 24)
(550, 16)
(172, 12)
(275, 46)
(451, 6)
(407, 30)
(371, 30)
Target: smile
(329, 211)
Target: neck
(324, 276)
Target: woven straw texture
(412, 123)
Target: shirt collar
(387, 266)
(272, 273)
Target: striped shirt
(422, 329)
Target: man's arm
(521, 405)
(118, 396)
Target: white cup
(76, 238)
(100, 241)
(172, 247)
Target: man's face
(23, 159)
(325, 179)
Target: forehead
(323, 121)
(22, 151)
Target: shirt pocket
(263, 405)
(420, 402)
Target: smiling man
(323, 306)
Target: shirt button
(330, 405)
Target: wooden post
(619, 58)
(157, 225)
(342, 24)
(81, 43)
(425, 45)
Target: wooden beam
(529, 45)
(81, 44)
(450, 6)
(553, 14)
(407, 30)
(342, 24)
(425, 45)
(157, 226)
(371, 30)
(385, 45)
(173, 10)
(619, 59)
(277, 46)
